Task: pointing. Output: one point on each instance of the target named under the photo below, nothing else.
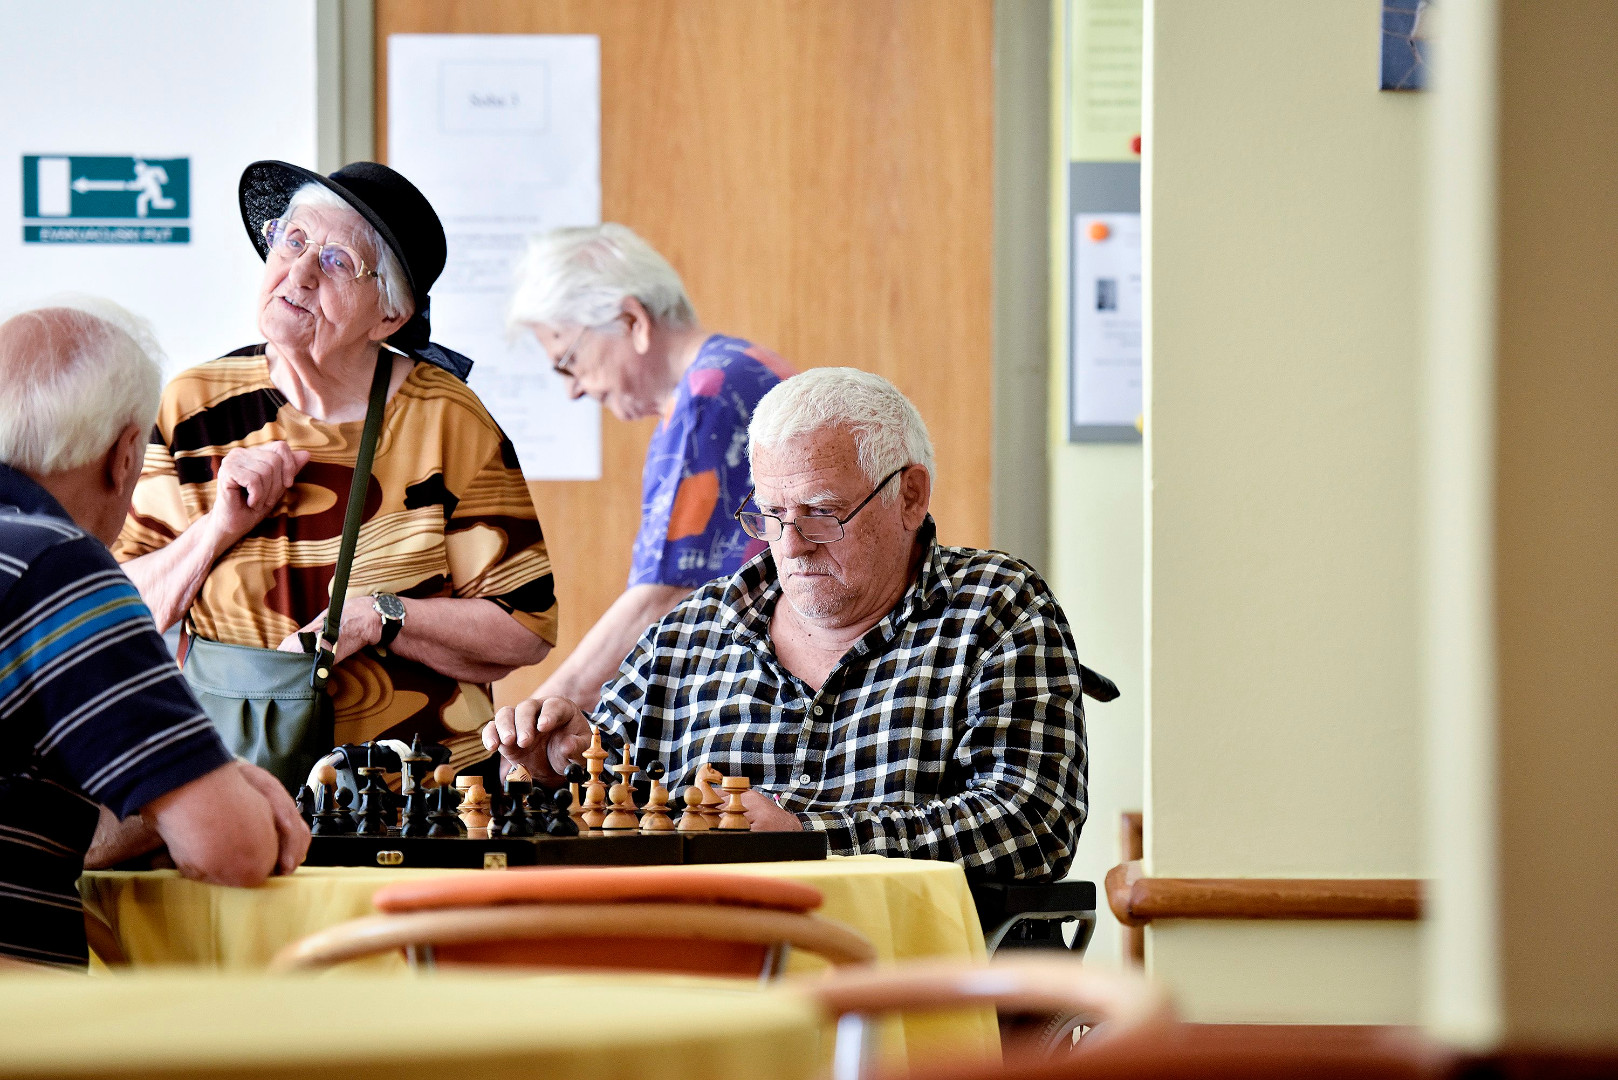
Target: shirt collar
(19, 490)
(750, 597)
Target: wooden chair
(616, 918)
(1111, 1002)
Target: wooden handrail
(1137, 899)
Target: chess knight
(904, 697)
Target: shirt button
(819, 710)
(805, 779)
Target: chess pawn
(441, 819)
(622, 816)
(734, 819)
(561, 822)
(656, 817)
(515, 810)
(693, 820)
(712, 802)
(474, 808)
(343, 822)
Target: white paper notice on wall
(1105, 373)
(502, 133)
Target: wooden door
(819, 171)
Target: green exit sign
(69, 199)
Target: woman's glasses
(337, 262)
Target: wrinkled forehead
(817, 467)
(329, 225)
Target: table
(177, 1024)
(908, 908)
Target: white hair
(888, 431)
(73, 374)
(391, 279)
(582, 276)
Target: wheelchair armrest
(998, 901)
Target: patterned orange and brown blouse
(447, 515)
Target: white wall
(222, 84)
(1282, 195)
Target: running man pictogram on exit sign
(105, 200)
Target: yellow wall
(1283, 197)
(1095, 557)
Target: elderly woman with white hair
(235, 527)
(904, 697)
(615, 320)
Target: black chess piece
(575, 773)
(560, 823)
(415, 821)
(375, 804)
(343, 823)
(516, 821)
(329, 814)
(441, 819)
(306, 804)
(413, 768)
(539, 809)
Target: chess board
(440, 819)
(589, 849)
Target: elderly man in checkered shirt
(906, 698)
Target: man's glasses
(336, 261)
(815, 528)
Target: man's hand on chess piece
(543, 737)
(764, 814)
(292, 835)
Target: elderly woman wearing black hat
(237, 519)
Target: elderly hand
(292, 835)
(251, 482)
(543, 737)
(361, 626)
(764, 814)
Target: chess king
(904, 697)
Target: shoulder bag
(271, 707)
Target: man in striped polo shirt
(104, 754)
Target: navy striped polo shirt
(93, 712)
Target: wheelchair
(1043, 915)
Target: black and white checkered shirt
(953, 730)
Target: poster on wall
(503, 134)
(1106, 354)
(127, 127)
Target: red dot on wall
(1134, 144)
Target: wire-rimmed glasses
(815, 528)
(337, 261)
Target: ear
(124, 459)
(640, 325)
(915, 496)
(386, 328)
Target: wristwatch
(392, 610)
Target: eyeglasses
(563, 365)
(815, 528)
(336, 261)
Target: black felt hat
(393, 206)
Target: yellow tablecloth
(907, 908)
(178, 1024)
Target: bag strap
(326, 645)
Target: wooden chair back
(642, 919)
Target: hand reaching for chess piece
(543, 737)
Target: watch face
(389, 606)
